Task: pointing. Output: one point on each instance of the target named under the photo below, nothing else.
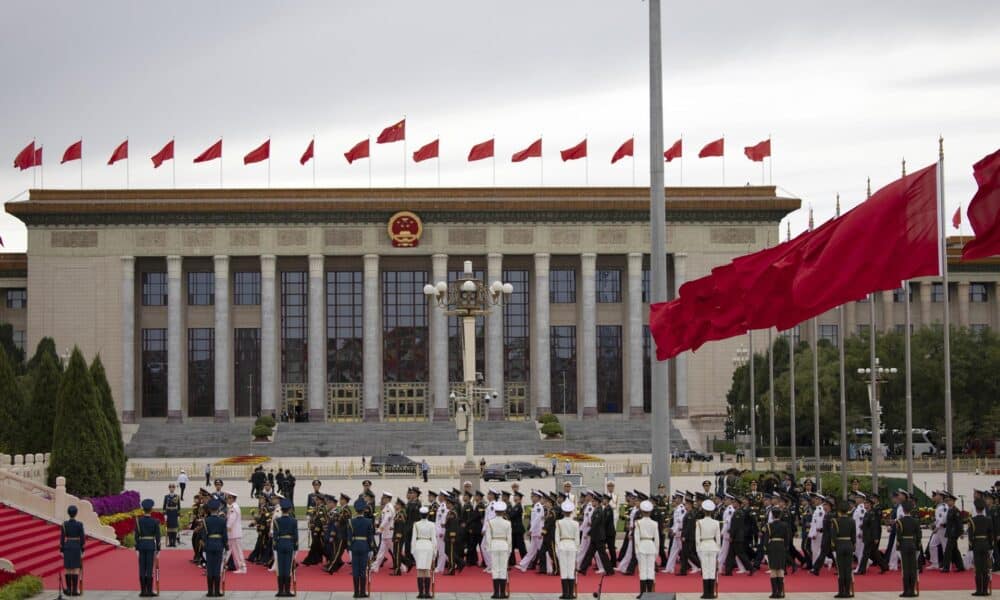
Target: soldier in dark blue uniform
(286, 542)
(147, 544)
(910, 541)
(71, 541)
(172, 511)
(362, 539)
(844, 536)
(981, 536)
(216, 542)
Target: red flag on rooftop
(38, 157)
(392, 133)
(481, 150)
(427, 151)
(262, 152)
(675, 151)
(573, 153)
(213, 152)
(716, 148)
(121, 152)
(165, 153)
(359, 151)
(25, 159)
(626, 149)
(759, 151)
(956, 219)
(74, 152)
(308, 154)
(532, 151)
(984, 209)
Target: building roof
(13, 264)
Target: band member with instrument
(286, 542)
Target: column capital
(128, 261)
(174, 258)
(221, 259)
(542, 255)
(317, 263)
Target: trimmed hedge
(265, 420)
(548, 418)
(25, 586)
(261, 431)
(552, 429)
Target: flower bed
(118, 503)
(124, 523)
(18, 587)
(574, 457)
(251, 459)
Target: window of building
(294, 326)
(609, 368)
(562, 286)
(246, 288)
(562, 363)
(19, 337)
(17, 298)
(647, 371)
(246, 368)
(404, 326)
(456, 338)
(899, 295)
(516, 327)
(863, 329)
(154, 288)
(201, 372)
(344, 326)
(154, 372)
(977, 292)
(937, 292)
(978, 328)
(830, 333)
(201, 288)
(645, 286)
(901, 328)
(609, 286)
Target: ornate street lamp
(873, 378)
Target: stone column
(223, 339)
(494, 339)
(888, 319)
(681, 362)
(317, 339)
(634, 355)
(268, 335)
(963, 303)
(128, 339)
(371, 346)
(587, 334)
(175, 338)
(439, 343)
(540, 351)
(925, 303)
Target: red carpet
(118, 570)
(33, 544)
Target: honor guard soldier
(740, 533)
(952, 531)
(218, 493)
(316, 519)
(423, 543)
(908, 537)
(398, 533)
(938, 542)
(147, 544)
(871, 536)
(453, 530)
(844, 538)
(708, 538)
(216, 541)
(362, 536)
(386, 523)
(498, 542)
(824, 533)
(286, 542)
(646, 540)
(342, 527)
(778, 534)
(172, 512)
(549, 563)
(567, 545)
(412, 516)
(981, 536)
(515, 512)
(71, 543)
(689, 549)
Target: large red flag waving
(674, 151)
(626, 149)
(25, 159)
(165, 153)
(360, 150)
(984, 209)
(392, 133)
(120, 153)
(74, 152)
(262, 152)
(532, 151)
(213, 152)
(759, 151)
(716, 148)
(481, 150)
(308, 154)
(575, 152)
(427, 151)
(38, 157)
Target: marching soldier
(71, 545)
(218, 493)
(689, 548)
(147, 544)
(778, 535)
(286, 542)
(341, 526)
(515, 513)
(172, 512)
(423, 545)
(498, 541)
(398, 533)
(598, 546)
(384, 529)
(262, 550)
(412, 516)
(938, 542)
(452, 537)
(627, 556)
(908, 536)
(362, 536)
(216, 542)
(871, 536)
(567, 545)
(444, 511)
(676, 523)
(824, 533)
(549, 562)
(952, 531)
(317, 517)
(844, 538)
(198, 513)
(981, 536)
(739, 534)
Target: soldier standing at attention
(908, 538)
(708, 537)
(423, 544)
(567, 545)
(778, 534)
(216, 541)
(147, 544)
(844, 538)
(286, 542)
(981, 536)
(412, 516)
(172, 512)
(361, 533)
(498, 542)
(71, 542)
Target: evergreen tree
(44, 387)
(114, 427)
(81, 450)
(46, 345)
(11, 407)
(15, 354)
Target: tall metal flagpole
(907, 363)
(268, 161)
(770, 379)
(633, 159)
(81, 162)
(791, 387)
(841, 343)
(314, 159)
(404, 152)
(541, 166)
(438, 161)
(815, 365)
(126, 166)
(586, 163)
(873, 391)
(948, 464)
(369, 162)
(660, 471)
(173, 163)
(753, 406)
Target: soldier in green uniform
(909, 537)
(147, 544)
(339, 535)
(316, 520)
(71, 544)
(981, 537)
(172, 512)
(844, 536)
(777, 534)
(871, 536)
(412, 511)
(453, 536)
(398, 534)
(740, 534)
(952, 531)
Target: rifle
(62, 580)
(222, 571)
(295, 581)
(600, 587)
(79, 584)
(156, 572)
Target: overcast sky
(845, 89)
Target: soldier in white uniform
(816, 530)
(385, 528)
(439, 523)
(938, 540)
(567, 546)
(646, 540)
(858, 515)
(492, 498)
(534, 531)
(423, 543)
(675, 528)
(707, 536)
(899, 497)
(586, 516)
(499, 540)
(727, 521)
(628, 553)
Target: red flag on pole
(38, 157)
(213, 152)
(360, 150)
(74, 152)
(956, 219)
(481, 150)
(262, 152)
(716, 148)
(675, 151)
(758, 152)
(984, 209)
(429, 150)
(121, 152)
(25, 159)
(392, 133)
(575, 152)
(626, 149)
(532, 151)
(165, 153)
(308, 154)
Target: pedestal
(469, 472)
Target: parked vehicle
(393, 462)
(513, 471)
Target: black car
(692, 455)
(513, 471)
(393, 463)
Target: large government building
(224, 303)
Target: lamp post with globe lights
(873, 377)
(743, 357)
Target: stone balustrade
(30, 466)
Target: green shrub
(552, 429)
(261, 431)
(266, 420)
(548, 418)
(116, 478)
(129, 540)
(25, 586)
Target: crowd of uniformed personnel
(570, 532)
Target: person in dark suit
(362, 540)
(689, 554)
(515, 512)
(172, 512)
(147, 544)
(871, 536)
(286, 542)
(844, 536)
(777, 534)
(981, 536)
(71, 543)
(909, 538)
(216, 542)
(739, 534)
(952, 531)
